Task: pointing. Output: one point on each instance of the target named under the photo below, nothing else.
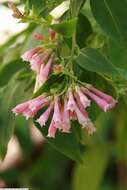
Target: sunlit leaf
(111, 15)
(92, 60)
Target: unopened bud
(58, 69)
(39, 36)
(52, 34)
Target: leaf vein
(113, 19)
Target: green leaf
(23, 134)
(9, 97)
(10, 175)
(49, 6)
(67, 144)
(65, 28)
(92, 60)
(90, 174)
(52, 80)
(37, 5)
(111, 16)
(121, 132)
(84, 29)
(8, 70)
(117, 55)
(75, 6)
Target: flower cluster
(69, 106)
(41, 59)
(66, 109)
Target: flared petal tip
(41, 123)
(91, 131)
(24, 57)
(51, 136)
(90, 128)
(110, 106)
(14, 111)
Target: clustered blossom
(41, 59)
(64, 110)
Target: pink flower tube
(82, 119)
(45, 70)
(84, 100)
(52, 130)
(102, 103)
(72, 115)
(39, 60)
(31, 107)
(44, 117)
(27, 56)
(65, 119)
(71, 101)
(57, 116)
(90, 128)
(104, 96)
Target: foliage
(72, 161)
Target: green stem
(72, 52)
(35, 20)
(75, 78)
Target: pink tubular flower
(57, 116)
(88, 125)
(72, 106)
(44, 71)
(71, 101)
(36, 103)
(28, 114)
(65, 119)
(72, 115)
(82, 119)
(41, 58)
(81, 107)
(38, 60)
(105, 106)
(90, 128)
(52, 130)
(84, 100)
(20, 108)
(44, 117)
(104, 96)
(31, 107)
(27, 56)
(77, 108)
